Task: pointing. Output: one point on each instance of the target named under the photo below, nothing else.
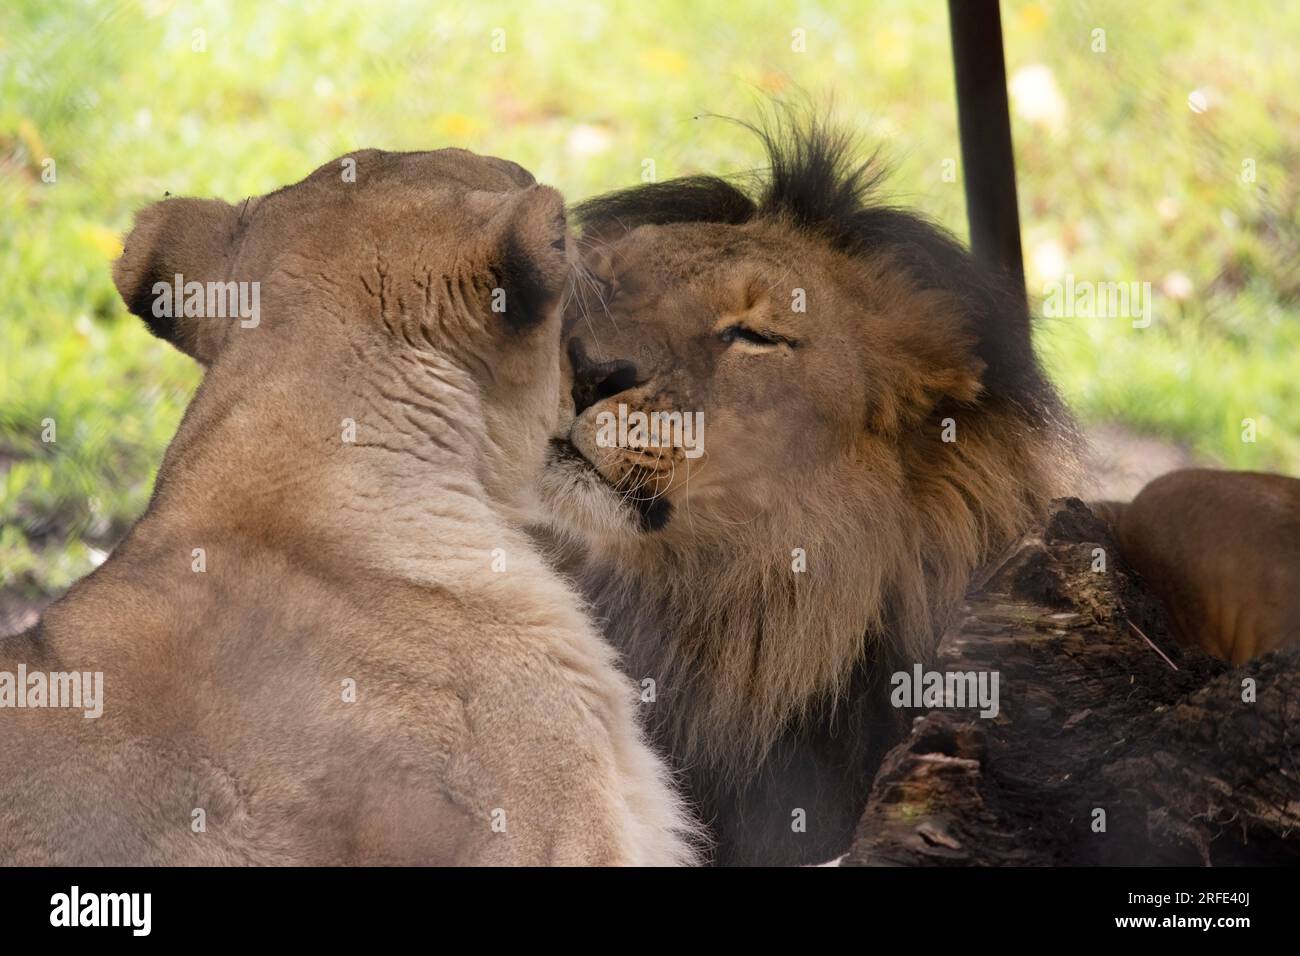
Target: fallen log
(1112, 744)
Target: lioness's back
(423, 732)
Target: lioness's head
(869, 422)
(401, 303)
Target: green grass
(1127, 184)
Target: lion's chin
(581, 500)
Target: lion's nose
(594, 381)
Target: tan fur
(832, 446)
(1222, 550)
(480, 697)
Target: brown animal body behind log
(1222, 551)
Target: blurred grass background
(1129, 159)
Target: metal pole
(984, 122)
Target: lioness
(875, 425)
(1222, 551)
(307, 655)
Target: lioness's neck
(387, 478)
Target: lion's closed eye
(750, 336)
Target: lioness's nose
(594, 381)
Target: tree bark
(1112, 745)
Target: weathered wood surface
(1092, 717)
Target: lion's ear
(934, 360)
(528, 248)
(174, 242)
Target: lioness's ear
(530, 256)
(177, 241)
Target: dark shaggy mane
(815, 182)
(687, 199)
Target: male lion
(876, 426)
(306, 654)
